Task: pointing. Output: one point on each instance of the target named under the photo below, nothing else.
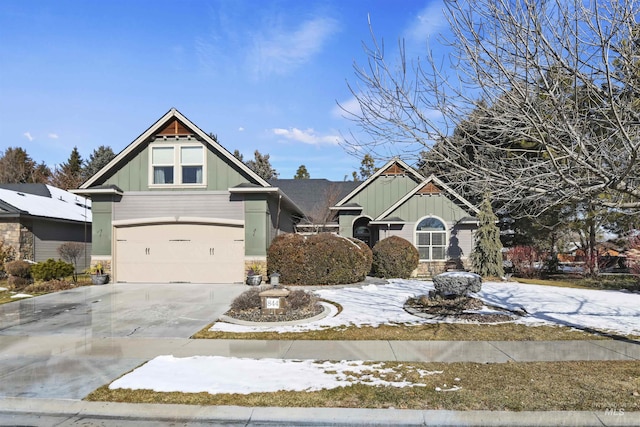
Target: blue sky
(262, 75)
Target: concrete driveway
(66, 344)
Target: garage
(179, 252)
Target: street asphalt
(57, 348)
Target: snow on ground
(217, 374)
(373, 305)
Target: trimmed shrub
(334, 260)
(286, 255)
(51, 269)
(320, 259)
(395, 257)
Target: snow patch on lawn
(374, 305)
(217, 375)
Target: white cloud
(53, 135)
(28, 136)
(307, 136)
(346, 108)
(429, 22)
(240, 129)
(279, 51)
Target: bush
(51, 269)
(19, 268)
(394, 257)
(7, 254)
(299, 299)
(333, 260)
(247, 300)
(286, 256)
(320, 259)
(524, 259)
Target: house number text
(273, 302)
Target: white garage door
(166, 253)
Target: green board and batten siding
(438, 205)
(133, 177)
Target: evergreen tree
(261, 166)
(238, 155)
(17, 167)
(302, 173)
(69, 174)
(100, 157)
(486, 256)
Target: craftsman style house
(176, 206)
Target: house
(398, 200)
(176, 206)
(35, 219)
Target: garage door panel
(180, 253)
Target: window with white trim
(177, 165)
(431, 239)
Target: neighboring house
(35, 219)
(175, 206)
(397, 200)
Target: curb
(307, 416)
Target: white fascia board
(90, 191)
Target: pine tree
(97, 160)
(17, 167)
(69, 174)
(486, 256)
(262, 166)
(302, 173)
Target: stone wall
(10, 234)
(431, 268)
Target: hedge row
(328, 259)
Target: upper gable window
(177, 165)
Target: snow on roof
(60, 205)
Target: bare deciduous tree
(543, 96)
(70, 252)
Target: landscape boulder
(457, 283)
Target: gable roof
(394, 166)
(172, 123)
(41, 200)
(431, 185)
(308, 193)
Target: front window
(177, 165)
(431, 239)
(162, 160)
(191, 162)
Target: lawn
(375, 312)
(548, 386)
